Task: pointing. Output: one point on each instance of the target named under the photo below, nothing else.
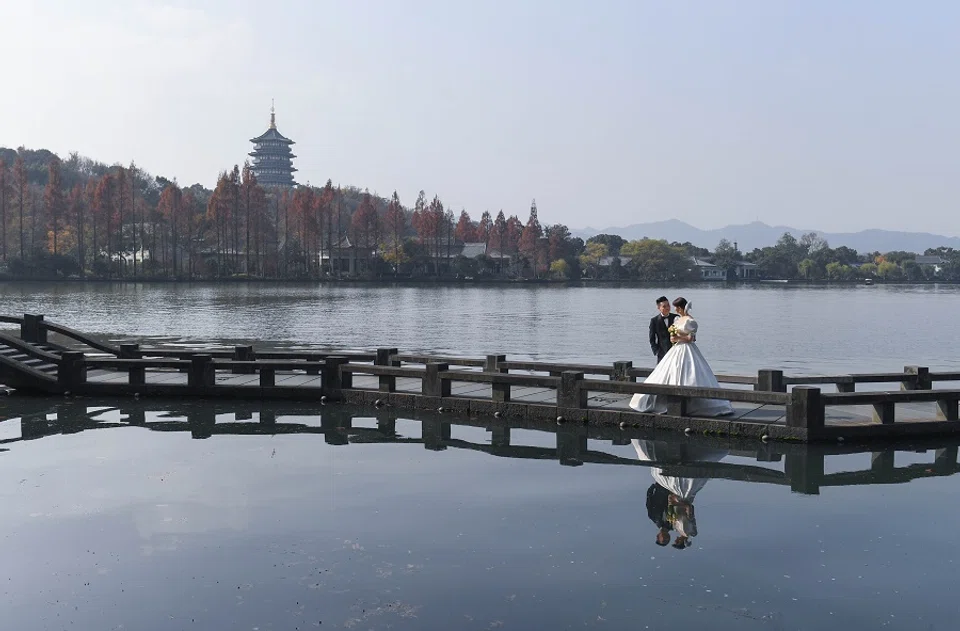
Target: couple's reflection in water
(670, 498)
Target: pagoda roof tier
(272, 134)
(256, 154)
(286, 167)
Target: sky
(816, 114)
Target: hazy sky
(827, 114)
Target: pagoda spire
(273, 116)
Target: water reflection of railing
(803, 467)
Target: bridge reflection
(802, 468)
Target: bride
(670, 498)
(683, 365)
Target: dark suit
(657, 501)
(660, 335)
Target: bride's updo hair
(681, 303)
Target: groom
(659, 328)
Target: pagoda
(272, 158)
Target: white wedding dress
(665, 453)
(683, 365)
(685, 489)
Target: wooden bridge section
(48, 358)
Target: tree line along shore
(78, 218)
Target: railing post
(268, 417)
(384, 357)
(386, 383)
(492, 363)
(947, 408)
(884, 412)
(433, 385)
(805, 409)
(137, 416)
(243, 354)
(500, 392)
(202, 423)
(882, 461)
(268, 376)
(805, 471)
(570, 391)
(571, 445)
(137, 375)
(387, 425)
(847, 386)
(202, 372)
(314, 366)
(32, 329)
(676, 404)
(500, 436)
(333, 380)
(621, 371)
(770, 381)
(434, 433)
(334, 425)
(71, 370)
(129, 351)
(920, 378)
(945, 458)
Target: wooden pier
(47, 358)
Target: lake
(169, 515)
(149, 516)
(742, 328)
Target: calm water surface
(327, 520)
(176, 516)
(849, 328)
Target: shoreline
(473, 281)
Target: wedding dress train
(683, 365)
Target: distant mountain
(757, 234)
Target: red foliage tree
(530, 240)
(325, 203)
(54, 201)
(466, 230)
(365, 224)
(435, 220)
(77, 211)
(419, 217)
(4, 193)
(500, 235)
(254, 201)
(395, 224)
(21, 189)
(121, 188)
(193, 220)
(170, 209)
(103, 206)
(485, 228)
(234, 213)
(218, 211)
(514, 232)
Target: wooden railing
(804, 404)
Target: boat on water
(867, 281)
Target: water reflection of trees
(802, 466)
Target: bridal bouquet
(672, 329)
